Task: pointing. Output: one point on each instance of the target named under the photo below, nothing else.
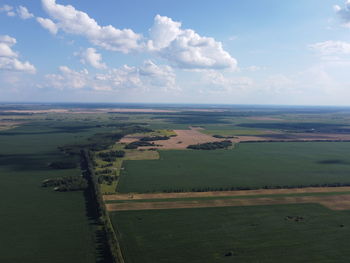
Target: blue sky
(231, 52)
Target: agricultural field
(248, 165)
(274, 233)
(143, 175)
(39, 224)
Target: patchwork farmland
(178, 185)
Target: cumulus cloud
(185, 48)
(24, 13)
(68, 78)
(92, 58)
(147, 77)
(9, 59)
(218, 82)
(48, 24)
(8, 10)
(344, 12)
(332, 47)
(20, 11)
(72, 21)
(161, 76)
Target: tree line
(211, 145)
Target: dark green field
(252, 234)
(252, 165)
(38, 224)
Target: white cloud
(185, 48)
(161, 76)
(344, 13)
(9, 59)
(92, 58)
(145, 78)
(332, 47)
(24, 13)
(48, 24)
(68, 78)
(76, 22)
(20, 11)
(8, 10)
(219, 83)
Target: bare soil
(225, 193)
(183, 139)
(340, 202)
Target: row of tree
(135, 145)
(236, 188)
(154, 138)
(66, 183)
(111, 156)
(211, 145)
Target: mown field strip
(337, 202)
(132, 196)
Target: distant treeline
(296, 141)
(237, 188)
(134, 145)
(154, 138)
(66, 183)
(223, 137)
(305, 127)
(111, 155)
(211, 145)
(102, 141)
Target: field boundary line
(337, 202)
(137, 196)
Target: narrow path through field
(338, 202)
(135, 196)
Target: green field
(38, 224)
(252, 234)
(252, 165)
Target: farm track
(134, 196)
(337, 202)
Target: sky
(162, 51)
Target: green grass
(254, 234)
(38, 224)
(253, 165)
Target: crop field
(276, 233)
(251, 165)
(38, 224)
(146, 191)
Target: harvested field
(183, 139)
(225, 193)
(338, 202)
(130, 138)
